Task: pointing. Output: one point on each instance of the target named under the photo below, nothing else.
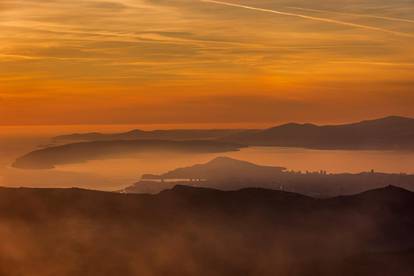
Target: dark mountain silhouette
(221, 173)
(174, 134)
(229, 174)
(47, 158)
(224, 168)
(387, 133)
(198, 231)
(392, 133)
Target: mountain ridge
(388, 133)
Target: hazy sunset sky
(189, 61)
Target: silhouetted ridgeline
(387, 133)
(230, 174)
(224, 168)
(392, 132)
(49, 157)
(194, 231)
(174, 134)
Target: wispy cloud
(405, 20)
(313, 18)
(73, 53)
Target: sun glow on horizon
(152, 62)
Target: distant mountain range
(194, 231)
(48, 158)
(173, 134)
(230, 174)
(389, 133)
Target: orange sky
(190, 61)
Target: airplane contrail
(313, 18)
(356, 14)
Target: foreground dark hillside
(195, 231)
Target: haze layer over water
(115, 174)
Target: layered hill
(173, 134)
(390, 133)
(195, 231)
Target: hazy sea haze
(113, 174)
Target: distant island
(225, 173)
(196, 231)
(48, 158)
(389, 133)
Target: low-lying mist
(189, 231)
